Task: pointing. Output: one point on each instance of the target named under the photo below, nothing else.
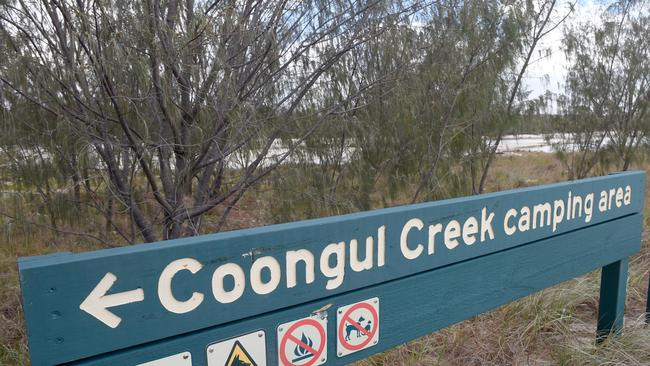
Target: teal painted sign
(136, 304)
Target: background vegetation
(132, 121)
(154, 119)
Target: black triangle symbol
(234, 360)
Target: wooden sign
(451, 259)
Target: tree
(534, 21)
(180, 101)
(607, 89)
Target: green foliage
(165, 112)
(607, 90)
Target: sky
(548, 72)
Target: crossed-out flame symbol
(301, 352)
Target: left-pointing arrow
(97, 302)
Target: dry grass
(12, 334)
(553, 327)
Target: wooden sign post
(270, 295)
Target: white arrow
(97, 301)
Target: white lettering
(433, 230)
(589, 207)
(295, 256)
(452, 231)
(619, 197)
(355, 263)
(470, 229)
(336, 273)
(541, 214)
(381, 246)
(509, 230)
(558, 213)
(165, 293)
(233, 270)
(273, 266)
(486, 224)
(403, 242)
(524, 219)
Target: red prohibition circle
(346, 317)
(285, 339)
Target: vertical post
(613, 282)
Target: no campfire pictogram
(303, 342)
(357, 326)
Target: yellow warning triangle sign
(239, 356)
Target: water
(525, 143)
(510, 144)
